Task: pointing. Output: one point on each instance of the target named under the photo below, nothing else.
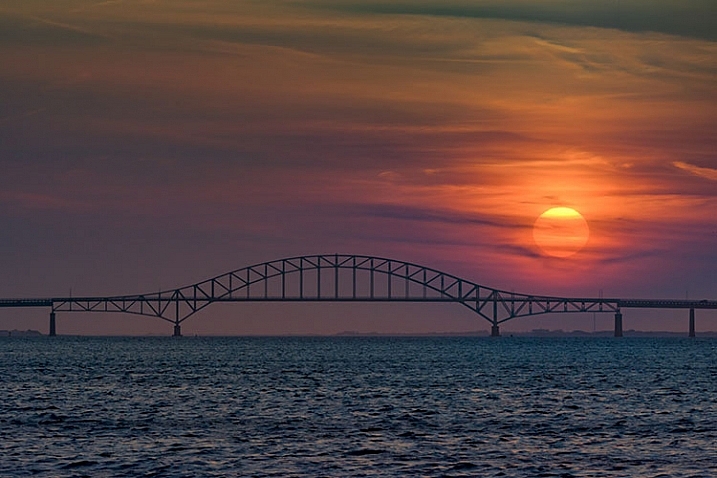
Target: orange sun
(561, 232)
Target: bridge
(348, 278)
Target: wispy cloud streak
(708, 173)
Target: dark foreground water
(358, 407)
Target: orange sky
(227, 133)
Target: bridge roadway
(348, 278)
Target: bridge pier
(618, 324)
(692, 322)
(177, 331)
(495, 331)
(53, 330)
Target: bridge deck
(666, 304)
(26, 302)
(620, 303)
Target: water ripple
(358, 407)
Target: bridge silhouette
(348, 278)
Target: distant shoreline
(532, 333)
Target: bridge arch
(336, 278)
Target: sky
(152, 144)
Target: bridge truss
(344, 278)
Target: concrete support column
(495, 330)
(177, 331)
(692, 322)
(53, 329)
(618, 324)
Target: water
(358, 407)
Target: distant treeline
(19, 333)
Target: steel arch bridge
(345, 278)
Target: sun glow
(561, 232)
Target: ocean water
(358, 406)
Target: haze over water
(358, 406)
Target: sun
(561, 232)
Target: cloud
(708, 173)
(434, 215)
(690, 18)
(34, 30)
(441, 133)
